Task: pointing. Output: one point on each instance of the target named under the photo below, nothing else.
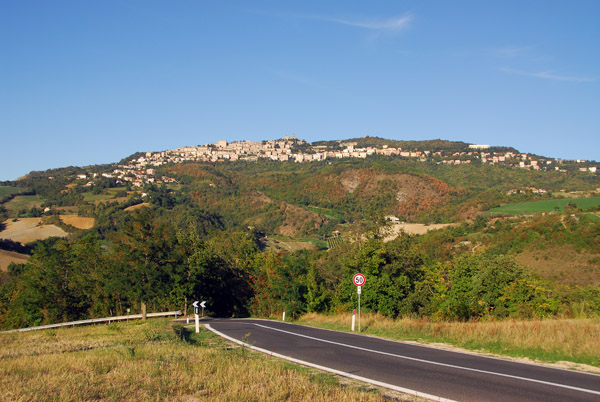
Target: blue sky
(87, 82)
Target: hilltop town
(142, 170)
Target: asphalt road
(408, 367)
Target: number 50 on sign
(358, 279)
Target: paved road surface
(434, 372)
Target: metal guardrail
(95, 321)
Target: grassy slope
(8, 190)
(24, 202)
(523, 208)
(153, 360)
(554, 340)
(106, 195)
(562, 264)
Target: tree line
(168, 258)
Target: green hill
(272, 235)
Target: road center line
(431, 362)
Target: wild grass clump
(153, 361)
(549, 340)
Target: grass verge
(154, 360)
(569, 343)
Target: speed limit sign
(359, 279)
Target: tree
(144, 252)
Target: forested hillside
(212, 232)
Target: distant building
(474, 146)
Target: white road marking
(432, 362)
(334, 371)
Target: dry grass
(137, 206)
(6, 257)
(562, 264)
(80, 222)
(561, 341)
(411, 228)
(153, 361)
(26, 230)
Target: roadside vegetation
(155, 360)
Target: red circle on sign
(359, 279)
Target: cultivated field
(412, 228)
(21, 202)
(106, 196)
(289, 244)
(534, 207)
(6, 257)
(156, 361)
(26, 230)
(566, 343)
(80, 222)
(7, 190)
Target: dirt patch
(261, 197)
(27, 230)
(79, 222)
(563, 264)
(350, 181)
(412, 228)
(137, 206)
(6, 257)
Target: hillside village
(142, 170)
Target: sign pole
(359, 280)
(358, 287)
(196, 316)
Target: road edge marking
(333, 371)
(467, 352)
(589, 391)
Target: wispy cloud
(547, 75)
(392, 24)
